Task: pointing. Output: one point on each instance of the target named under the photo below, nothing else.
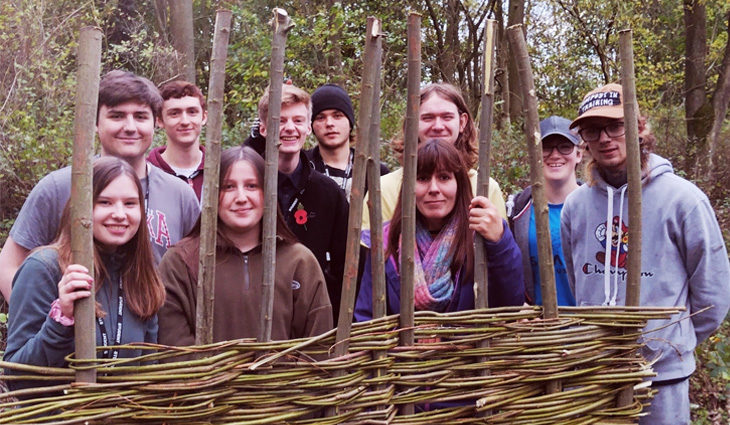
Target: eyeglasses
(564, 148)
(592, 134)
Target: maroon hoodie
(195, 180)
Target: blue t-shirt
(565, 295)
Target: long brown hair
(466, 143)
(437, 156)
(144, 291)
(229, 157)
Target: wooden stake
(349, 282)
(542, 213)
(408, 187)
(481, 278)
(633, 277)
(374, 198)
(534, 146)
(410, 164)
(281, 24)
(631, 122)
(205, 294)
(82, 235)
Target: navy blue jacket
(506, 282)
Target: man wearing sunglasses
(561, 154)
(684, 262)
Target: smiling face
(241, 201)
(331, 128)
(126, 130)
(440, 119)
(435, 198)
(558, 166)
(294, 127)
(117, 213)
(609, 152)
(183, 119)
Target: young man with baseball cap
(561, 154)
(333, 121)
(683, 256)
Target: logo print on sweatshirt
(161, 234)
(620, 247)
(295, 285)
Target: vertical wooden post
(628, 83)
(181, 27)
(542, 213)
(205, 294)
(374, 198)
(633, 154)
(82, 235)
(281, 24)
(349, 282)
(408, 197)
(481, 277)
(534, 146)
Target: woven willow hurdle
(592, 351)
(507, 365)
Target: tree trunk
(515, 16)
(697, 110)
(501, 80)
(720, 100)
(334, 56)
(181, 30)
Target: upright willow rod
(82, 236)
(408, 197)
(359, 167)
(205, 290)
(481, 276)
(281, 24)
(534, 147)
(633, 278)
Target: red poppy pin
(300, 216)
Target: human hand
(485, 219)
(75, 284)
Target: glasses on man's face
(593, 133)
(564, 148)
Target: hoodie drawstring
(618, 246)
(607, 258)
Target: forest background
(682, 60)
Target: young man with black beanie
(333, 121)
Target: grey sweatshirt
(684, 261)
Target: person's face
(117, 213)
(125, 131)
(294, 127)
(331, 128)
(182, 119)
(559, 158)
(609, 152)
(439, 118)
(241, 201)
(435, 197)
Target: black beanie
(332, 96)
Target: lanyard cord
(348, 172)
(120, 324)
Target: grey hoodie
(684, 261)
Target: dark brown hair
(437, 156)
(143, 289)
(229, 157)
(117, 87)
(178, 89)
(466, 143)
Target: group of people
(146, 228)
